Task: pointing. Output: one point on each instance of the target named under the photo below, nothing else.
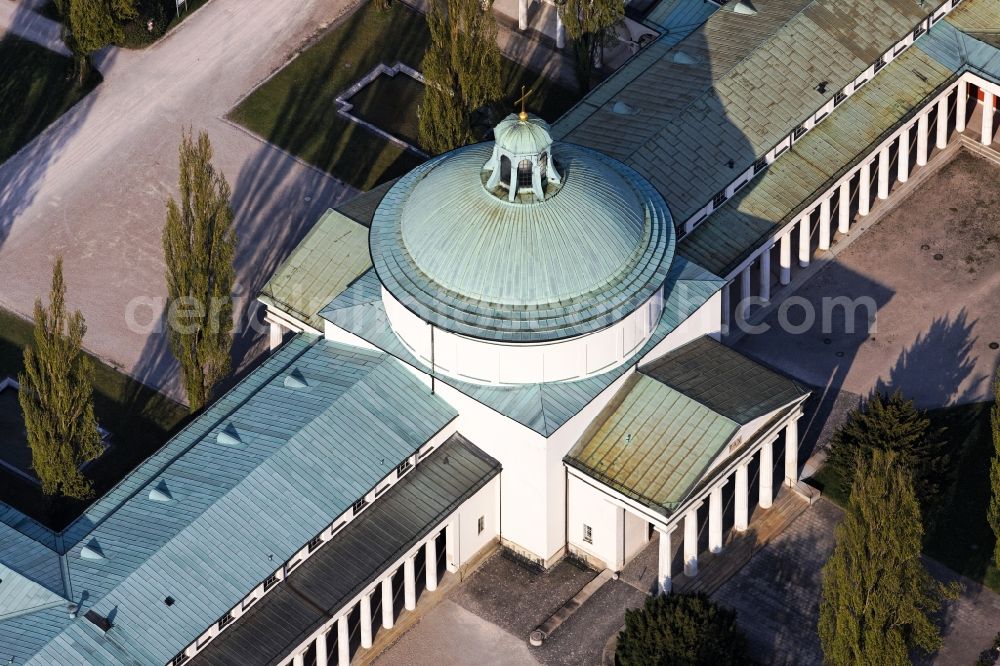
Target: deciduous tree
(57, 398)
(878, 599)
(199, 245)
(461, 72)
(681, 630)
(590, 25)
(92, 25)
(893, 424)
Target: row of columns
(740, 500)
(841, 197)
(384, 588)
(522, 22)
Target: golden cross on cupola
(523, 115)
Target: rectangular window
(798, 132)
(481, 525)
(403, 467)
(880, 63)
(336, 528)
(839, 98)
(181, 658)
(270, 581)
(919, 30)
(719, 199)
(759, 165)
(315, 543)
(360, 505)
(225, 620)
(588, 534)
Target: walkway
(92, 187)
(21, 20)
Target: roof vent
(92, 551)
(296, 380)
(99, 621)
(682, 58)
(228, 436)
(160, 493)
(624, 109)
(744, 7)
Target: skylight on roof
(228, 436)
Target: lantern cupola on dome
(521, 167)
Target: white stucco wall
(485, 503)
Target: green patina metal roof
(817, 160)
(522, 137)
(724, 380)
(331, 256)
(19, 595)
(652, 443)
(742, 84)
(475, 264)
(543, 408)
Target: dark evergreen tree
(590, 25)
(993, 511)
(199, 245)
(57, 398)
(461, 72)
(878, 600)
(92, 25)
(893, 424)
(681, 630)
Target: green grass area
(296, 111)
(961, 537)
(399, 118)
(36, 87)
(139, 418)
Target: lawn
(399, 119)
(36, 87)
(139, 418)
(961, 538)
(295, 109)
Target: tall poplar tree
(57, 398)
(461, 72)
(199, 245)
(878, 599)
(590, 25)
(993, 512)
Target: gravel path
(92, 187)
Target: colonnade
(333, 643)
(852, 197)
(741, 501)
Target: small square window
(315, 543)
(919, 30)
(360, 505)
(759, 165)
(798, 132)
(181, 658)
(481, 525)
(403, 467)
(588, 534)
(839, 98)
(719, 199)
(225, 620)
(270, 581)
(880, 63)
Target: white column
(883, 173)
(691, 541)
(766, 474)
(522, 14)
(715, 518)
(725, 308)
(824, 223)
(922, 131)
(785, 258)
(792, 452)
(744, 304)
(844, 208)
(388, 605)
(664, 551)
(275, 334)
(450, 547)
(961, 105)
(366, 620)
(343, 642)
(560, 31)
(903, 157)
(409, 584)
(741, 497)
(942, 122)
(987, 118)
(299, 659)
(430, 567)
(765, 275)
(865, 189)
(805, 241)
(619, 562)
(321, 650)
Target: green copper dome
(522, 137)
(468, 260)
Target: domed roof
(469, 261)
(522, 136)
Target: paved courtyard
(932, 266)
